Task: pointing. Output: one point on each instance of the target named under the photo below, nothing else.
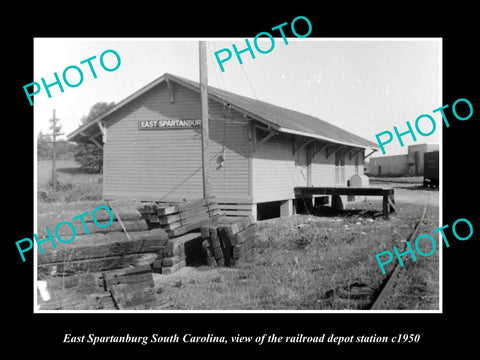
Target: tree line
(88, 155)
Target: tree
(44, 147)
(90, 156)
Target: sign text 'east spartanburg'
(168, 124)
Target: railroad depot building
(258, 152)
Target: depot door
(339, 169)
(301, 167)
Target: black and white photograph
(220, 182)
(232, 179)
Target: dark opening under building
(258, 152)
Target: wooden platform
(387, 193)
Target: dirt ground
(413, 193)
(300, 259)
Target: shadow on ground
(328, 211)
(418, 187)
(76, 171)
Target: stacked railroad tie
(102, 268)
(174, 255)
(127, 241)
(112, 267)
(119, 289)
(179, 219)
(227, 243)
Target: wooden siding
(275, 173)
(273, 167)
(165, 165)
(323, 169)
(230, 137)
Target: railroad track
(387, 285)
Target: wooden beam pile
(182, 218)
(227, 243)
(174, 255)
(125, 242)
(131, 288)
(121, 289)
(111, 267)
(131, 220)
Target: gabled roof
(276, 117)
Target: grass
(73, 183)
(297, 260)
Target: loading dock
(386, 193)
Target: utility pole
(55, 132)
(204, 108)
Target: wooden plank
(79, 284)
(51, 220)
(368, 191)
(236, 213)
(87, 265)
(183, 217)
(215, 240)
(247, 233)
(248, 244)
(65, 231)
(99, 251)
(211, 262)
(218, 253)
(159, 235)
(107, 238)
(391, 202)
(205, 231)
(192, 219)
(119, 273)
(94, 301)
(191, 207)
(245, 222)
(225, 206)
(131, 288)
(226, 234)
(125, 214)
(386, 209)
(193, 226)
(100, 247)
(168, 249)
(134, 299)
(236, 252)
(181, 207)
(172, 269)
(170, 261)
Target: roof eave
(320, 137)
(74, 134)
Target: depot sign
(168, 124)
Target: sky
(365, 86)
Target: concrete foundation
(286, 208)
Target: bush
(90, 157)
(68, 192)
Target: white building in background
(410, 164)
